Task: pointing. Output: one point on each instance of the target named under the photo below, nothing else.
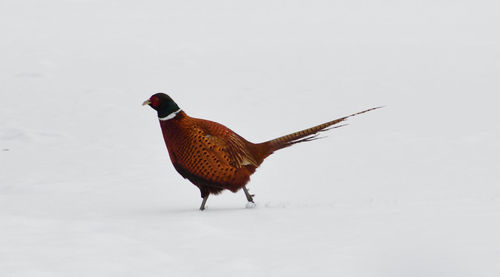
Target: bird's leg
(248, 195)
(202, 207)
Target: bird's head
(163, 104)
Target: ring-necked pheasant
(212, 156)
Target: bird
(213, 157)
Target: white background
(87, 188)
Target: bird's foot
(250, 205)
(202, 207)
(248, 195)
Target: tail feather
(308, 134)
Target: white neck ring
(170, 116)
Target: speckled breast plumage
(209, 154)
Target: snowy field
(87, 188)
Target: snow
(87, 188)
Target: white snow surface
(87, 188)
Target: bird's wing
(216, 155)
(235, 149)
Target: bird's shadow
(194, 211)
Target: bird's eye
(155, 101)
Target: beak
(147, 102)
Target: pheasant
(212, 156)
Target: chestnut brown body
(210, 155)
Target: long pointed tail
(307, 134)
